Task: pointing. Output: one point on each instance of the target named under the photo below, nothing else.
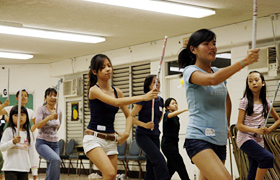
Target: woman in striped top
(253, 110)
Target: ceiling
(122, 27)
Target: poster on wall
(75, 112)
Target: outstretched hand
(151, 95)
(253, 56)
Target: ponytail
(92, 79)
(186, 57)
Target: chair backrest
(134, 148)
(61, 146)
(122, 149)
(70, 147)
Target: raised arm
(223, 74)
(97, 93)
(176, 113)
(2, 110)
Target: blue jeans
(50, 152)
(258, 158)
(156, 167)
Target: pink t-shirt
(49, 131)
(252, 121)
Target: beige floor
(66, 177)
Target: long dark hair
(147, 82)
(249, 94)
(11, 124)
(167, 103)
(96, 65)
(186, 57)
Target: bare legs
(210, 166)
(106, 164)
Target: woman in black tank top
(101, 127)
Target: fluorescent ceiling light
(160, 6)
(47, 34)
(15, 55)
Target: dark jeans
(175, 161)
(156, 168)
(50, 152)
(258, 157)
(15, 175)
(194, 146)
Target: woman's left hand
(228, 132)
(122, 138)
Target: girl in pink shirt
(253, 110)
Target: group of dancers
(209, 107)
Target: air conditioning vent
(71, 87)
(268, 61)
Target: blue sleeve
(188, 72)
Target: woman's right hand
(152, 94)
(149, 125)
(261, 130)
(252, 57)
(16, 139)
(53, 116)
(6, 103)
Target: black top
(102, 115)
(145, 115)
(171, 126)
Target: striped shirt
(256, 120)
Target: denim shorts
(194, 146)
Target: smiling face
(205, 51)
(255, 82)
(24, 98)
(51, 98)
